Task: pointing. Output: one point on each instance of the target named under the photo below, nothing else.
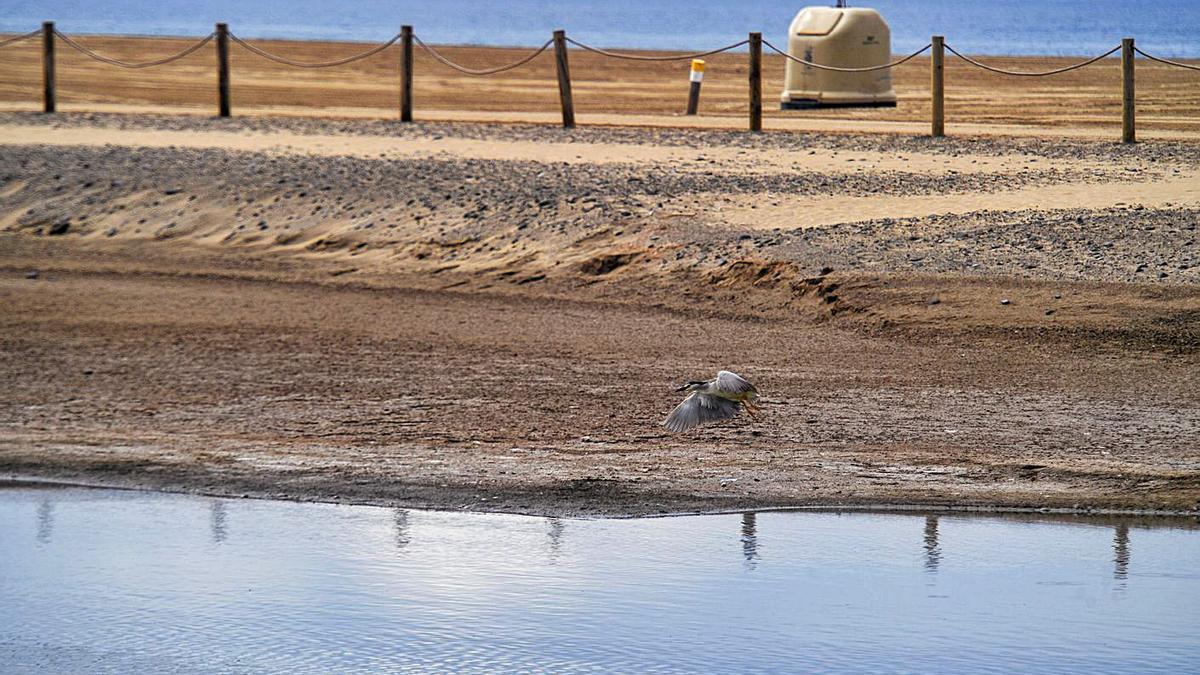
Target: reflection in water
(400, 519)
(554, 533)
(933, 550)
(45, 521)
(1121, 552)
(216, 521)
(750, 539)
(315, 588)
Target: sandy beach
(485, 316)
(1085, 102)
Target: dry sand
(1084, 102)
(495, 317)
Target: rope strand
(133, 64)
(320, 64)
(636, 57)
(1043, 73)
(1166, 61)
(868, 69)
(18, 38)
(486, 71)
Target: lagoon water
(1047, 27)
(111, 581)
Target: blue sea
(1046, 27)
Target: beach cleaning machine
(845, 37)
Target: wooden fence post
(1128, 132)
(223, 70)
(937, 89)
(564, 79)
(406, 73)
(49, 100)
(756, 82)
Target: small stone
(32, 274)
(1049, 312)
(1006, 301)
(58, 228)
(826, 270)
(934, 301)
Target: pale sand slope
(1179, 188)
(372, 147)
(662, 121)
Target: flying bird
(711, 400)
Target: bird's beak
(683, 388)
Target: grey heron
(711, 400)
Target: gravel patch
(481, 207)
(68, 183)
(1131, 244)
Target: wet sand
(495, 317)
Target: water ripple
(128, 582)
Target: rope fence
(134, 65)
(1043, 73)
(640, 57)
(17, 38)
(259, 51)
(486, 71)
(1168, 62)
(407, 39)
(837, 69)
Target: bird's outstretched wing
(733, 383)
(698, 409)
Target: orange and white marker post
(696, 78)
